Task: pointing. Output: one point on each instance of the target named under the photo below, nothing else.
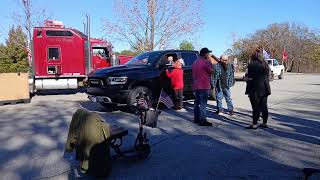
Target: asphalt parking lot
(32, 138)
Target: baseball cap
(204, 51)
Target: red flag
(284, 54)
(29, 55)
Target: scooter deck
(117, 132)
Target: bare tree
(29, 16)
(299, 41)
(153, 24)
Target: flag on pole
(142, 103)
(29, 55)
(284, 54)
(165, 99)
(265, 54)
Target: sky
(225, 20)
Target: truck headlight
(117, 80)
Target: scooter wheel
(143, 151)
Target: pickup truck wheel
(281, 75)
(132, 98)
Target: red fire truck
(63, 57)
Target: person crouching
(176, 77)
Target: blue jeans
(200, 104)
(226, 94)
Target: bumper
(101, 95)
(100, 99)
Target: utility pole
(27, 9)
(84, 28)
(88, 43)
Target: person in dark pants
(176, 76)
(201, 72)
(258, 88)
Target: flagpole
(282, 53)
(159, 99)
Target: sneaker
(263, 126)
(219, 113)
(181, 110)
(205, 123)
(252, 127)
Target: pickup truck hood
(117, 70)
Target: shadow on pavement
(303, 129)
(60, 92)
(202, 157)
(32, 142)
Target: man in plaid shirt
(223, 80)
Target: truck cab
(276, 69)
(62, 59)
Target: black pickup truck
(144, 73)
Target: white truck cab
(276, 68)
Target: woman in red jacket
(176, 77)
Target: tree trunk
(152, 23)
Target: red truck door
(54, 59)
(100, 58)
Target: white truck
(276, 69)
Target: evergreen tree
(186, 45)
(14, 56)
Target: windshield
(145, 58)
(269, 62)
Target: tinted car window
(145, 58)
(275, 63)
(103, 52)
(53, 53)
(39, 33)
(58, 33)
(189, 58)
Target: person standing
(212, 94)
(258, 88)
(170, 60)
(223, 80)
(201, 72)
(176, 76)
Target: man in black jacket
(258, 88)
